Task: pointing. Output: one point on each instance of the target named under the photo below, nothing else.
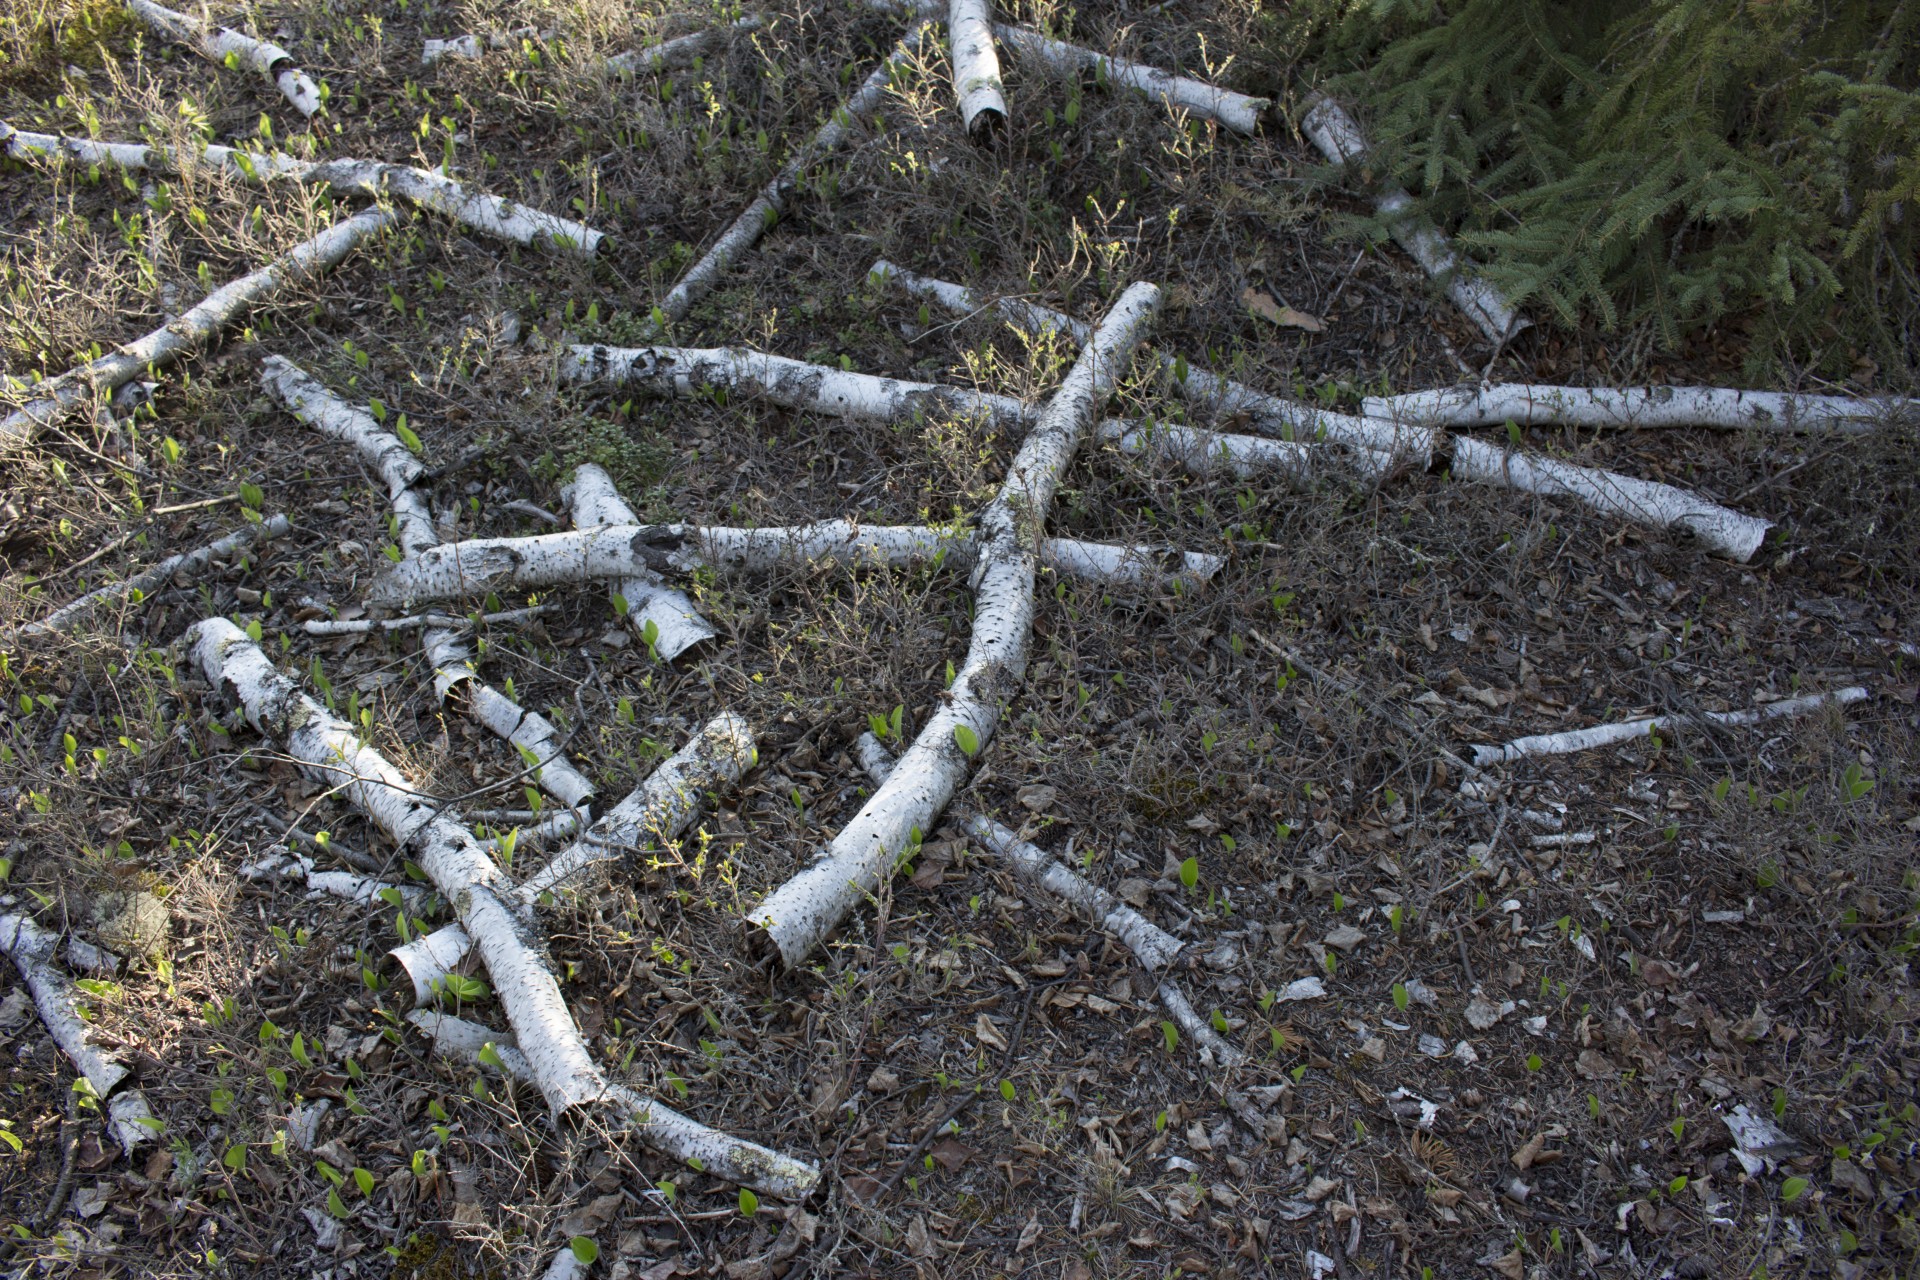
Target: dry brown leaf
(1529, 1151)
(951, 1153)
(1262, 304)
(919, 1243)
(988, 1034)
(1511, 1265)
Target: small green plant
(1170, 1034)
(1190, 873)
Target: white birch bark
(35, 953)
(1213, 1046)
(796, 917)
(976, 68)
(661, 1128)
(676, 622)
(1373, 443)
(681, 51)
(215, 43)
(417, 622)
(192, 330)
(467, 878)
(466, 46)
(187, 565)
(1606, 735)
(357, 889)
(1661, 506)
(1637, 407)
(1158, 567)
(535, 737)
(369, 179)
(1235, 111)
(1339, 139)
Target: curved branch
(217, 44)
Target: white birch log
(796, 917)
(467, 878)
(661, 1128)
(1235, 111)
(192, 330)
(657, 812)
(417, 622)
(1339, 138)
(466, 46)
(1637, 407)
(976, 68)
(216, 43)
(681, 51)
(357, 889)
(1159, 567)
(368, 179)
(539, 831)
(1213, 1045)
(1367, 438)
(535, 737)
(188, 565)
(676, 622)
(1661, 506)
(1606, 735)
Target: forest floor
(1726, 918)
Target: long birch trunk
(1338, 136)
(368, 179)
(796, 917)
(1661, 506)
(216, 43)
(1606, 735)
(659, 1127)
(192, 330)
(675, 622)
(657, 812)
(1637, 407)
(467, 878)
(976, 68)
(681, 51)
(1235, 111)
(1374, 443)
(188, 564)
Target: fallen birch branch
(328, 749)
(35, 952)
(665, 1130)
(1606, 735)
(1635, 407)
(657, 812)
(675, 623)
(680, 51)
(190, 331)
(1661, 506)
(976, 68)
(1235, 111)
(188, 564)
(467, 46)
(367, 179)
(1338, 137)
(1374, 443)
(797, 916)
(418, 622)
(230, 48)
(360, 890)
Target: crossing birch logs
(217, 44)
(976, 68)
(1661, 506)
(797, 916)
(1339, 139)
(328, 750)
(1637, 407)
(676, 624)
(1606, 735)
(367, 179)
(1230, 110)
(188, 565)
(192, 330)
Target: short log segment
(327, 748)
(1339, 138)
(676, 623)
(658, 811)
(796, 917)
(662, 1128)
(976, 68)
(192, 330)
(1637, 407)
(188, 565)
(1235, 111)
(682, 51)
(216, 44)
(1661, 506)
(1606, 735)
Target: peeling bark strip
(188, 564)
(467, 878)
(1339, 139)
(1643, 407)
(216, 44)
(369, 179)
(192, 330)
(976, 68)
(1605, 735)
(1647, 502)
(796, 917)
(1374, 443)
(658, 811)
(1235, 111)
(677, 624)
(35, 952)
(682, 51)
(662, 1128)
